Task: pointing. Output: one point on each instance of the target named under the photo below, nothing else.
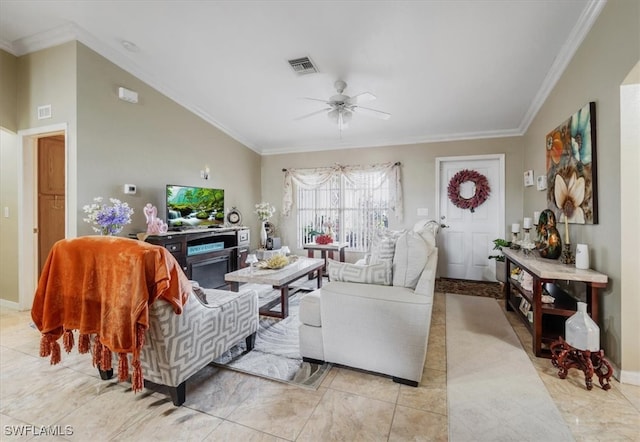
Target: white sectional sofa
(376, 315)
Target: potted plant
(498, 244)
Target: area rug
(465, 287)
(276, 354)
(493, 390)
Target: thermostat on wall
(130, 189)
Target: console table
(548, 275)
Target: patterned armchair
(137, 305)
(177, 346)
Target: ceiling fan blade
(315, 99)
(364, 96)
(312, 114)
(371, 112)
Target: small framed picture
(541, 182)
(524, 306)
(528, 178)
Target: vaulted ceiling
(444, 70)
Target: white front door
(467, 241)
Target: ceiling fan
(341, 107)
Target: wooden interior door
(51, 194)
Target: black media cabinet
(206, 255)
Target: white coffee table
(279, 279)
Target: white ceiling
(445, 70)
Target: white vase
(581, 331)
(582, 256)
(263, 235)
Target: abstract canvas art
(571, 168)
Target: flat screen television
(190, 206)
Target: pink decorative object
(154, 224)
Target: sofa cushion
(374, 292)
(379, 273)
(310, 309)
(383, 246)
(427, 229)
(409, 259)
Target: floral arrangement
(480, 196)
(324, 239)
(265, 211)
(107, 219)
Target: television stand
(206, 255)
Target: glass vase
(263, 235)
(581, 331)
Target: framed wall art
(571, 168)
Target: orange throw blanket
(103, 286)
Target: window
(352, 206)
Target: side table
(326, 250)
(564, 357)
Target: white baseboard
(630, 377)
(10, 305)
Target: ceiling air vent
(303, 66)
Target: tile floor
(349, 406)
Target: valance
(357, 175)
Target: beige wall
(8, 176)
(595, 73)
(47, 77)
(418, 175)
(8, 90)
(8, 226)
(43, 77)
(150, 144)
(630, 220)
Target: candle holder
(514, 238)
(527, 236)
(566, 257)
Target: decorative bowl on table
(274, 263)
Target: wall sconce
(204, 174)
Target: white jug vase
(581, 331)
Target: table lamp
(251, 260)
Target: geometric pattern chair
(178, 346)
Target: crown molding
(568, 50)
(44, 40)
(7, 47)
(378, 142)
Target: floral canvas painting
(571, 168)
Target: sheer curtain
(373, 175)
